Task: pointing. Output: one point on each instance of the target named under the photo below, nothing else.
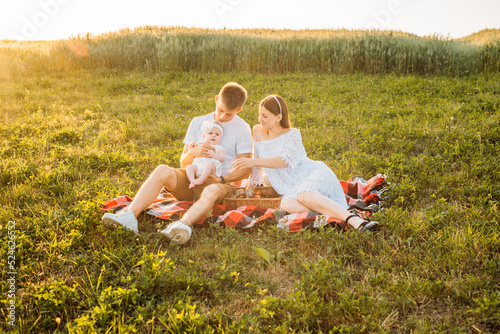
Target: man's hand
(190, 152)
(201, 150)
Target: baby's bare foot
(194, 183)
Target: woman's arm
(276, 162)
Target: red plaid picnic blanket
(362, 196)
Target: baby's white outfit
(202, 162)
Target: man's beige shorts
(183, 193)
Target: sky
(60, 19)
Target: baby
(203, 167)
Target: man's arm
(187, 156)
(239, 174)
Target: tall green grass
(267, 51)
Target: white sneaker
(124, 218)
(178, 232)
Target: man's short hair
(233, 95)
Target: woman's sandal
(373, 208)
(360, 205)
(365, 225)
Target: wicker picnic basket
(270, 200)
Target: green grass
(72, 140)
(163, 49)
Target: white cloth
(200, 163)
(302, 173)
(237, 138)
(207, 126)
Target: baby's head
(212, 132)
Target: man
(237, 140)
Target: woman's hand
(243, 163)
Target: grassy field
(72, 139)
(269, 51)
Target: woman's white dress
(302, 173)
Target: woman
(306, 185)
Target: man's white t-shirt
(237, 137)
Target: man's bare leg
(162, 176)
(149, 191)
(180, 231)
(203, 205)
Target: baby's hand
(192, 144)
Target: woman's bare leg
(291, 205)
(325, 206)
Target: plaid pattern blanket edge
(362, 196)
